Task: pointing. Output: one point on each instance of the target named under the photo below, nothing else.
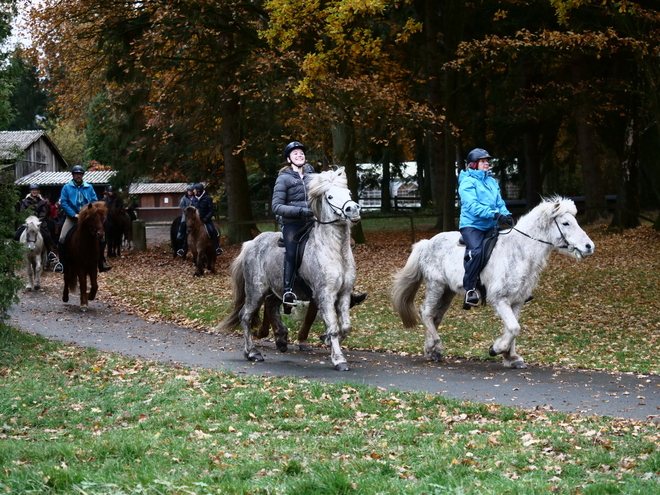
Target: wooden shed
(26, 152)
(158, 202)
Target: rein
(567, 245)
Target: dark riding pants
(473, 239)
(289, 230)
(213, 232)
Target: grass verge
(81, 421)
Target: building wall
(38, 156)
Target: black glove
(504, 219)
(306, 212)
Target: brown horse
(200, 243)
(83, 249)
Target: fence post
(139, 235)
(412, 229)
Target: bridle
(563, 237)
(339, 212)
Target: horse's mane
(90, 210)
(32, 220)
(321, 182)
(549, 208)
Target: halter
(339, 211)
(563, 237)
(27, 237)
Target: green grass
(81, 421)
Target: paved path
(106, 328)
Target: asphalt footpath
(104, 327)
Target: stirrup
(471, 299)
(51, 256)
(219, 251)
(289, 298)
(181, 253)
(58, 268)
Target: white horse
(327, 267)
(35, 254)
(510, 276)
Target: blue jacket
(73, 197)
(480, 200)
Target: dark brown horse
(83, 249)
(200, 243)
(117, 222)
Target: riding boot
(104, 266)
(184, 247)
(357, 299)
(289, 298)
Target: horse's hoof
(282, 347)
(303, 347)
(84, 309)
(37, 287)
(519, 364)
(492, 352)
(437, 356)
(29, 289)
(254, 356)
(65, 298)
(342, 367)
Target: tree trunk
(343, 147)
(592, 176)
(626, 213)
(239, 207)
(385, 191)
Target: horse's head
(330, 198)
(558, 216)
(191, 215)
(91, 217)
(32, 232)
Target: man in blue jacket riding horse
(76, 194)
(482, 208)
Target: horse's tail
(406, 284)
(232, 321)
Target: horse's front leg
(199, 264)
(343, 305)
(38, 268)
(30, 274)
(332, 334)
(93, 281)
(506, 344)
(82, 285)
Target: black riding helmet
(292, 146)
(77, 169)
(109, 189)
(34, 186)
(190, 188)
(477, 154)
(199, 186)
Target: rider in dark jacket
(204, 204)
(290, 204)
(40, 208)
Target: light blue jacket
(73, 197)
(480, 199)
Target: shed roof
(60, 178)
(13, 143)
(153, 188)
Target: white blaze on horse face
(579, 243)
